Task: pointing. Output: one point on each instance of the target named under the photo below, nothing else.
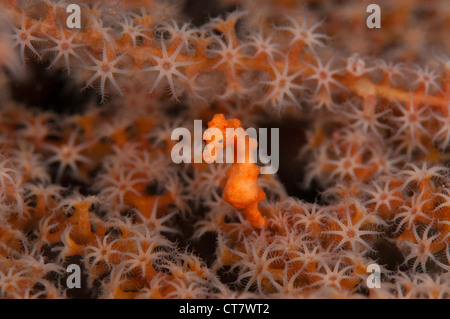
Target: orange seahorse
(241, 189)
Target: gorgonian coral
(87, 178)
